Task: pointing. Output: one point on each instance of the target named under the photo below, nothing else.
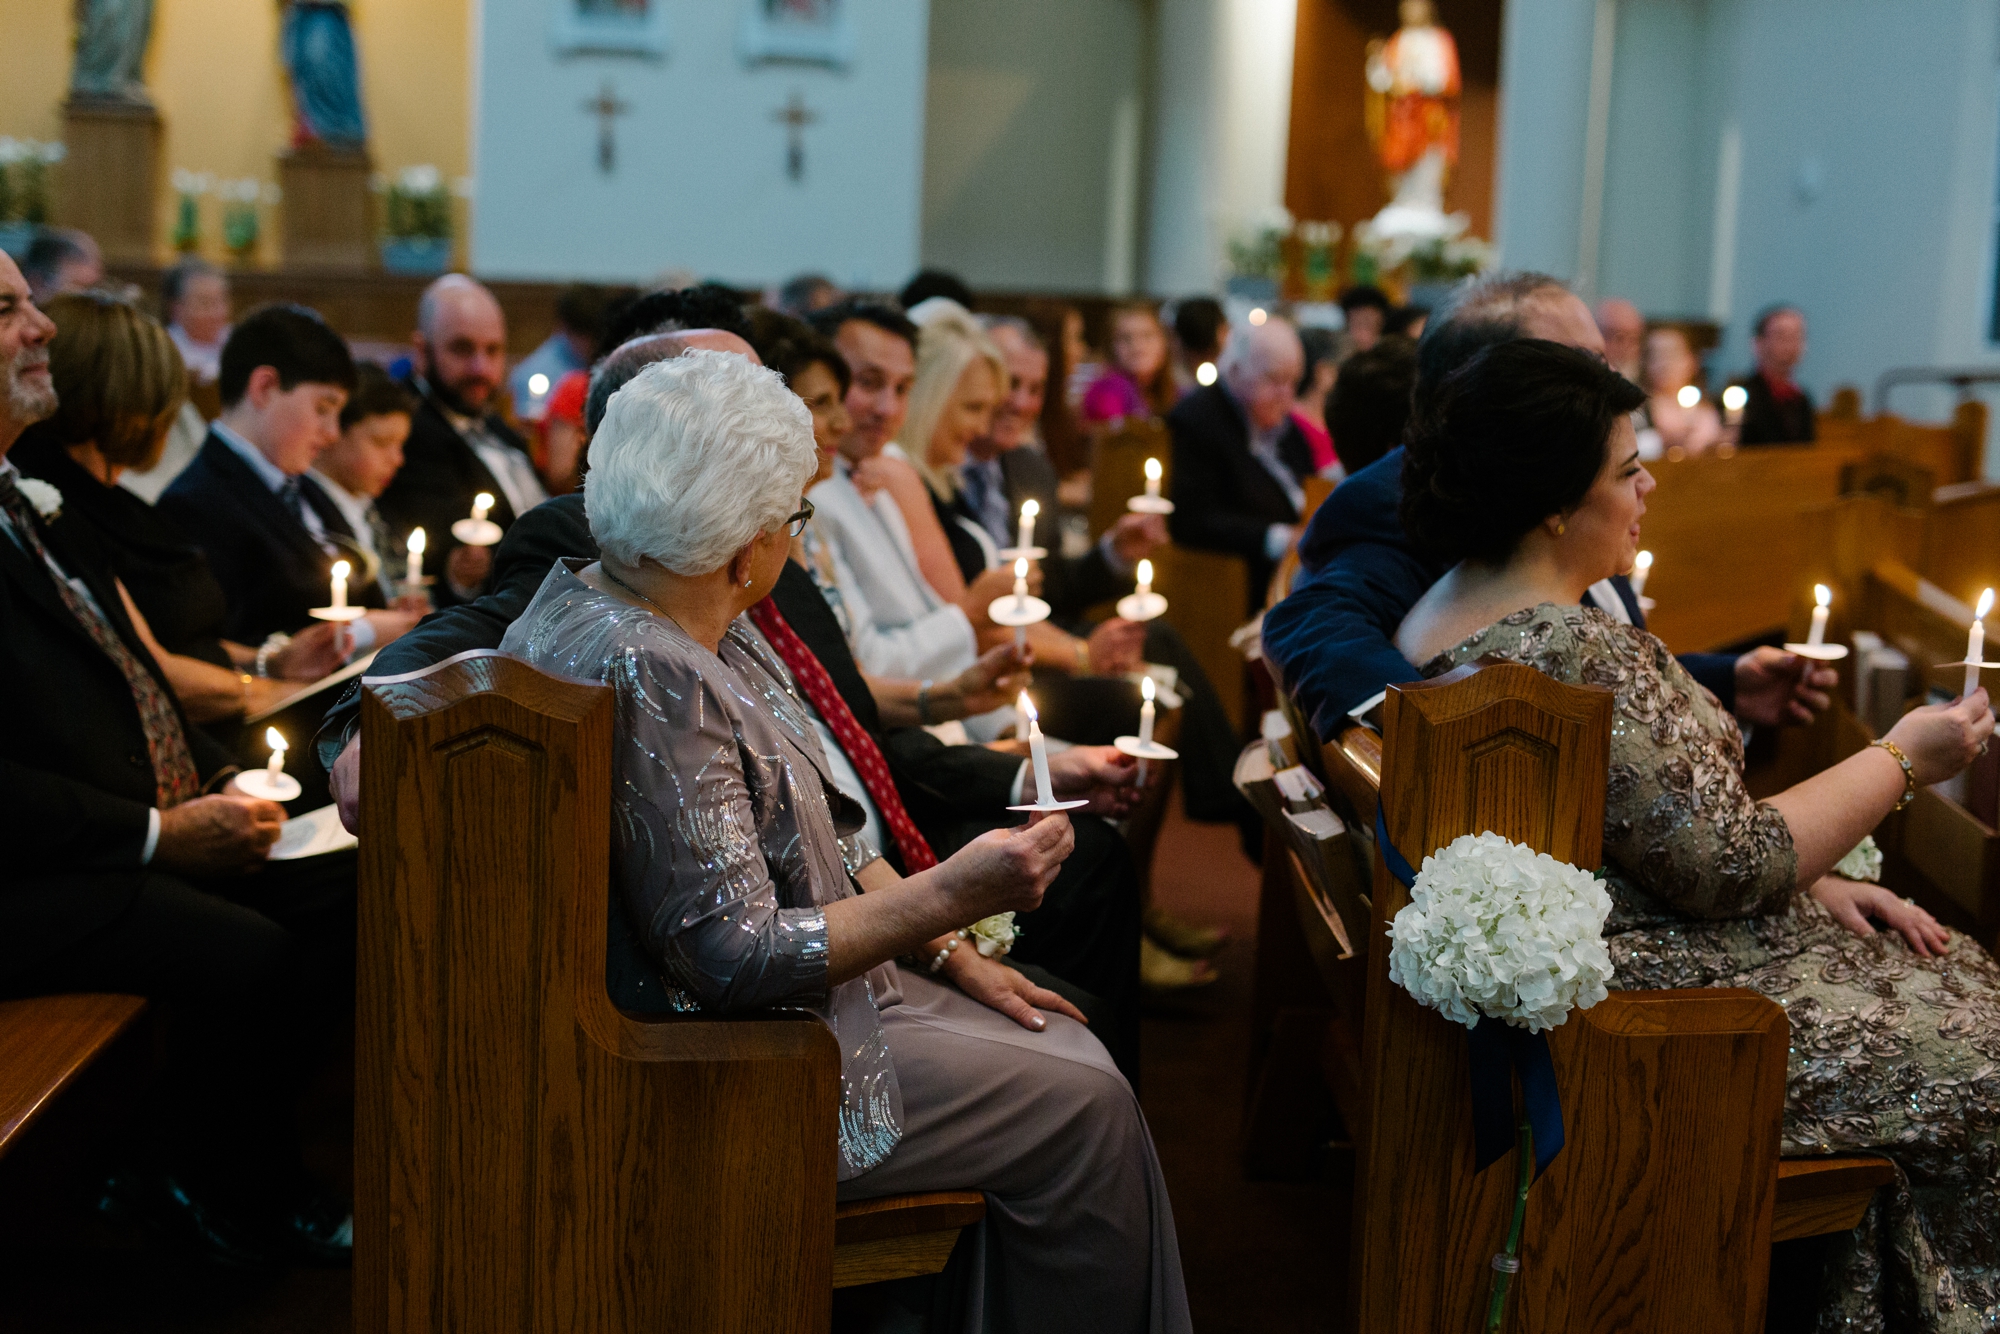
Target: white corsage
(1496, 928)
(1864, 863)
(46, 499)
(994, 936)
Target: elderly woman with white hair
(741, 861)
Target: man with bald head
(1331, 640)
(1623, 329)
(1240, 461)
(458, 446)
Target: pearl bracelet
(950, 946)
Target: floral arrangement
(24, 179)
(1864, 863)
(1495, 928)
(994, 935)
(1258, 251)
(46, 499)
(241, 224)
(1444, 259)
(189, 187)
(1318, 265)
(418, 207)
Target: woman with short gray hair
(740, 862)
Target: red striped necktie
(862, 752)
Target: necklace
(641, 596)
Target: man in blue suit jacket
(1332, 638)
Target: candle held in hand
(1642, 568)
(1021, 602)
(1975, 644)
(1026, 538)
(481, 503)
(1145, 577)
(1146, 712)
(413, 579)
(1038, 751)
(340, 569)
(1152, 479)
(1824, 597)
(276, 742)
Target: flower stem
(1502, 1273)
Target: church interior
(758, 665)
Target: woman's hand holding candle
(1975, 643)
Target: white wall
(701, 180)
(1868, 137)
(1032, 146)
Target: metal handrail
(1960, 378)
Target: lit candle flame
(1027, 708)
(274, 739)
(1030, 508)
(1204, 374)
(1735, 397)
(1985, 605)
(1688, 396)
(417, 542)
(341, 569)
(1146, 688)
(1823, 595)
(1257, 315)
(481, 504)
(1153, 467)
(1644, 560)
(1146, 572)
(1021, 567)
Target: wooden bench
(1676, 1097)
(529, 1156)
(1951, 451)
(47, 1043)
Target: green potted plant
(242, 223)
(189, 187)
(416, 222)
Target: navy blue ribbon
(1493, 1048)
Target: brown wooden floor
(1257, 1257)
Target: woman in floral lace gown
(1525, 471)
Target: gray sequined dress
(1890, 1053)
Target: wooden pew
(528, 1156)
(48, 1043)
(1952, 451)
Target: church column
(1222, 86)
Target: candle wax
(1038, 754)
(1146, 712)
(1818, 635)
(1975, 649)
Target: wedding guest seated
(62, 259)
(1366, 307)
(1324, 351)
(1200, 331)
(1779, 411)
(194, 296)
(118, 383)
(459, 447)
(271, 535)
(559, 439)
(1624, 331)
(1239, 459)
(1525, 483)
(928, 283)
(1330, 638)
(582, 313)
(1139, 382)
(702, 307)
(1672, 370)
(802, 295)
(746, 890)
(134, 866)
(358, 467)
(1406, 322)
(1086, 931)
(1371, 402)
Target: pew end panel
(1672, 1101)
(528, 1157)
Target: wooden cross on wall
(606, 106)
(795, 116)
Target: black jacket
(272, 570)
(441, 474)
(1766, 421)
(1224, 499)
(76, 782)
(1070, 585)
(940, 784)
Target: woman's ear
(1556, 524)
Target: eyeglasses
(797, 523)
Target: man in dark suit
(459, 448)
(1331, 639)
(271, 536)
(1240, 461)
(134, 866)
(1085, 932)
(1778, 410)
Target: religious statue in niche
(318, 45)
(1413, 87)
(795, 32)
(111, 40)
(610, 27)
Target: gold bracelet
(1909, 772)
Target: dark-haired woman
(1526, 473)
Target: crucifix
(795, 117)
(605, 106)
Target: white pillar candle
(277, 744)
(1038, 752)
(1152, 479)
(340, 568)
(1145, 577)
(1029, 509)
(481, 503)
(1146, 712)
(414, 578)
(1642, 566)
(1021, 601)
(1824, 597)
(1975, 643)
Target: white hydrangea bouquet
(1864, 863)
(1497, 931)
(1495, 928)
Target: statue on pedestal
(318, 46)
(1413, 87)
(111, 39)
